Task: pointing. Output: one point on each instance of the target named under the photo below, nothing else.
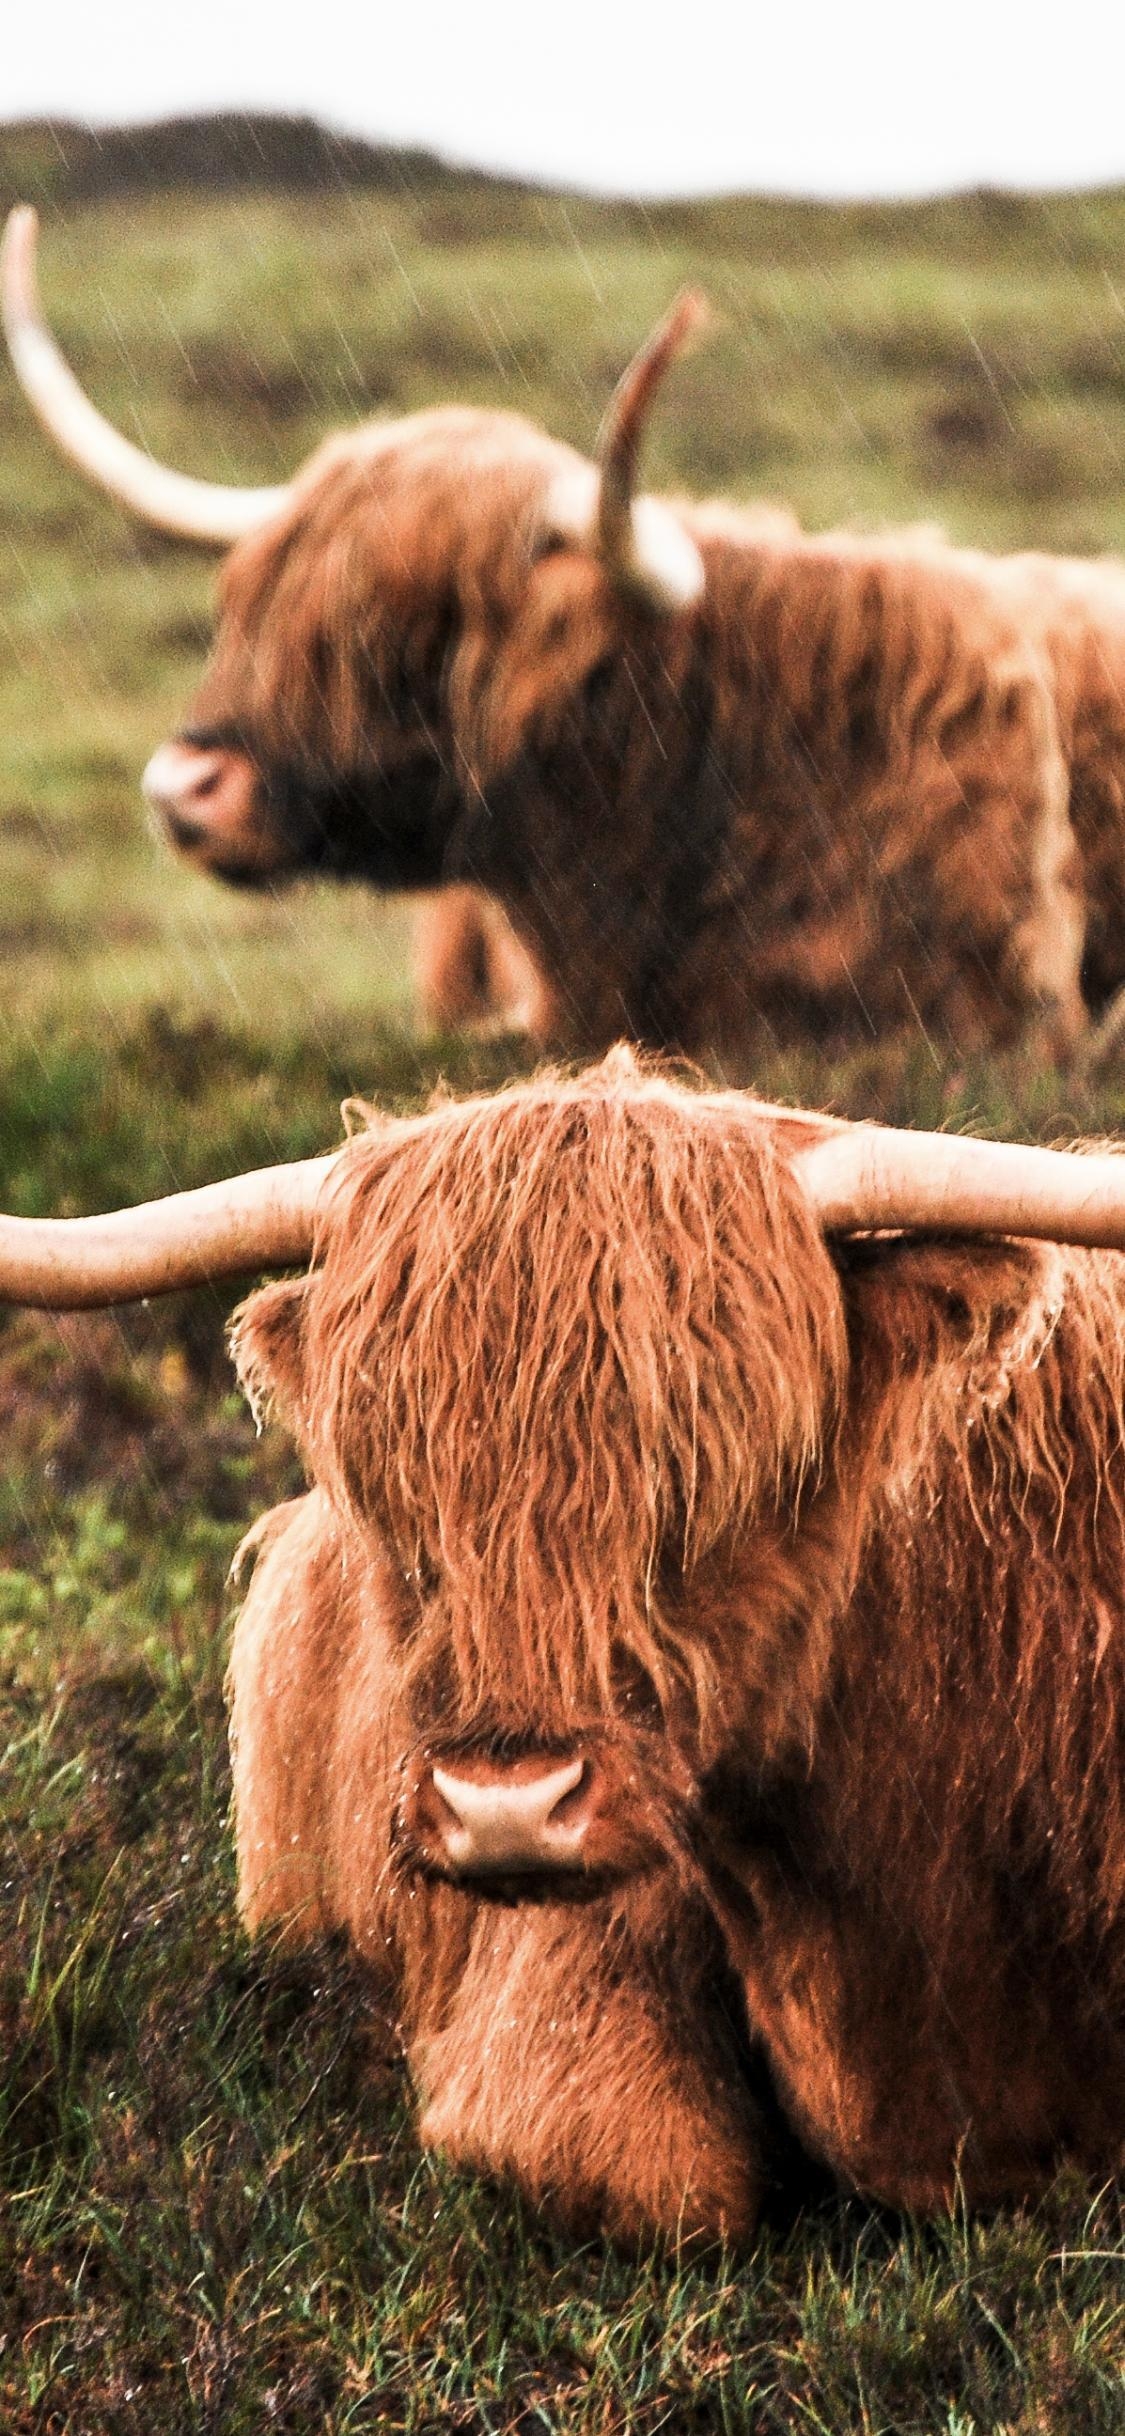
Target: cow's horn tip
(695, 309)
(17, 248)
(22, 222)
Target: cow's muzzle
(207, 803)
(560, 1821)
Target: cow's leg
(599, 2070)
(313, 1751)
(451, 959)
(278, 1774)
(1103, 1044)
(1009, 873)
(1049, 935)
(472, 971)
(520, 994)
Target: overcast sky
(838, 97)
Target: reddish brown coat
(612, 1453)
(833, 791)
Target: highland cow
(696, 1673)
(721, 777)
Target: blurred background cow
(712, 770)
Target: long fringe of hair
(563, 1341)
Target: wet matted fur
(610, 1450)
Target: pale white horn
(262, 1220)
(867, 1181)
(196, 511)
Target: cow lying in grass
(704, 1634)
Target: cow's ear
(268, 1344)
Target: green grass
(213, 2215)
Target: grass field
(213, 2216)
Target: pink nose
(474, 1820)
(206, 799)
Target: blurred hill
(57, 161)
(60, 162)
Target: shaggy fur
(611, 1452)
(860, 782)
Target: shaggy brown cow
(703, 1644)
(714, 771)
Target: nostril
(570, 1805)
(185, 833)
(445, 1816)
(179, 779)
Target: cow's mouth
(228, 810)
(554, 1824)
(206, 799)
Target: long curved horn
(619, 440)
(866, 1181)
(197, 511)
(262, 1220)
(633, 541)
(642, 543)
